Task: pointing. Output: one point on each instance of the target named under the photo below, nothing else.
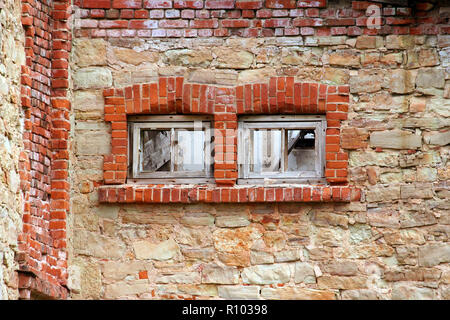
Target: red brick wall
(280, 95)
(44, 162)
(179, 19)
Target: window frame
(247, 123)
(136, 124)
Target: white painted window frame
(136, 124)
(292, 122)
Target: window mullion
(172, 150)
(283, 157)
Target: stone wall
(12, 56)
(392, 244)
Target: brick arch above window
(277, 95)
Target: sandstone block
(400, 42)
(95, 245)
(395, 139)
(347, 58)
(195, 237)
(235, 240)
(366, 81)
(434, 254)
(428, 58)
(239, 292)
(402, 81)
(93, 143)
(92, 78)
(368, 42)
(325, 219)
(417, 104)
(212, 273)
(190, 58)
(304, 273)
(261, 257)
(180, 278)
(232, 221)
(440, 106)
(345, 283)
(340, 268)
(126, 288)
(422, 191)
(287, 255)
(360, 294)
(408, 292)
(437, 138)
(134, 57)
(233, 59)
(267, 274)
(207, 290)
(197, 219)
(89, 52)
(164, 250)
(382, 194)
(430, 77)
(295, 293)
(336, 75)
(382, 159)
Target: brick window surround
(277, 96)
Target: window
(281, 149)
(166, 149)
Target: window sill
(236, 194)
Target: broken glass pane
(156, 150)
(301, 150)
(266, 151)
(189, 150)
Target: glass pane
(266, 151)
(301, 150)
(155, 150)
(190, 150)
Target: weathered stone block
(382, 194)
(366, 81)
(267, 274)
(430, 77)
(400, 42)
(368, 42)
(402, 291)
(92, 78)
(197, 219)
(287, 255)
(134, 57)
(304, 273)
(261, 257)
(190, 58)
(361, 294)
(340, 268)
(232, 221)
(295, 293)
(164, 250)
(345, 283)
(395, 139)
(127, 288)
(437, 138)
(220, 275)
(233, 59)
(348, 58)
(89, 52)
(434, 254)
(239, 292)
(402, 81)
